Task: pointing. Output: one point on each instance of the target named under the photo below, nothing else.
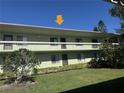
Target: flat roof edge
(35, 26)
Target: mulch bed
(20, 85)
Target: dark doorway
(8, 46)
(65, 59)
(63, 46)
(94, 41)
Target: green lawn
(66, 81)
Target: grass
(69, 80)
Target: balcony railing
(46, 46)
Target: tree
(117, 10)
(108, 57)
(19, 63)
(101, 26)
(95, 29)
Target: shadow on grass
(112, 86)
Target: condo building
(52, 46)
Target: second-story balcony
(8, 46)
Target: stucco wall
(45, 58)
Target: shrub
(109, 57)
(19, 64)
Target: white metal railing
(47, 46)
(47, 43)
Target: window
(54, 40)
(54, 58)
(94, 41)
(78, 40)
(79, 57)
(8, 37)
(21, 38)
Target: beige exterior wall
(45, 59)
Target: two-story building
(53, 46)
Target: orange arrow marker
(59, 19)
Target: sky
(77, 14)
